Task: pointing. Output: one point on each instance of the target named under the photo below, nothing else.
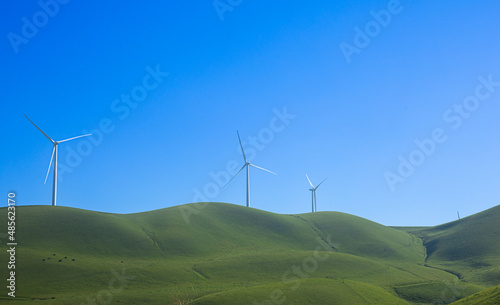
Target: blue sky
(338, 89)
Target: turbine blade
(234, 176)
(309, 181)
(244, 157)
(321, 183)
(262, 169)
(85, 135)
(50, 164)
(40, 129)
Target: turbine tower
(313, 192)
(247, 165)
(54, 157)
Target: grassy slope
(469, 247)
(223, 228)
(365, 238)
(223, 248)
(489, 296)
(310, 291)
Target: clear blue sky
(415, 73)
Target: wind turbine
(313, 192)
(54, 157)
(247, 165)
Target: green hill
(365, 238)
(469, 247)
(313, 291)
(489, 296)
(225, 254)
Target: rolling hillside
(469, 247)
(489, 296)
(229, 254)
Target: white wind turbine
(54, 157)
(313, 192)
(247, 165)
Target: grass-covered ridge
(225, 251)
(489, 296)
(469, 247)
